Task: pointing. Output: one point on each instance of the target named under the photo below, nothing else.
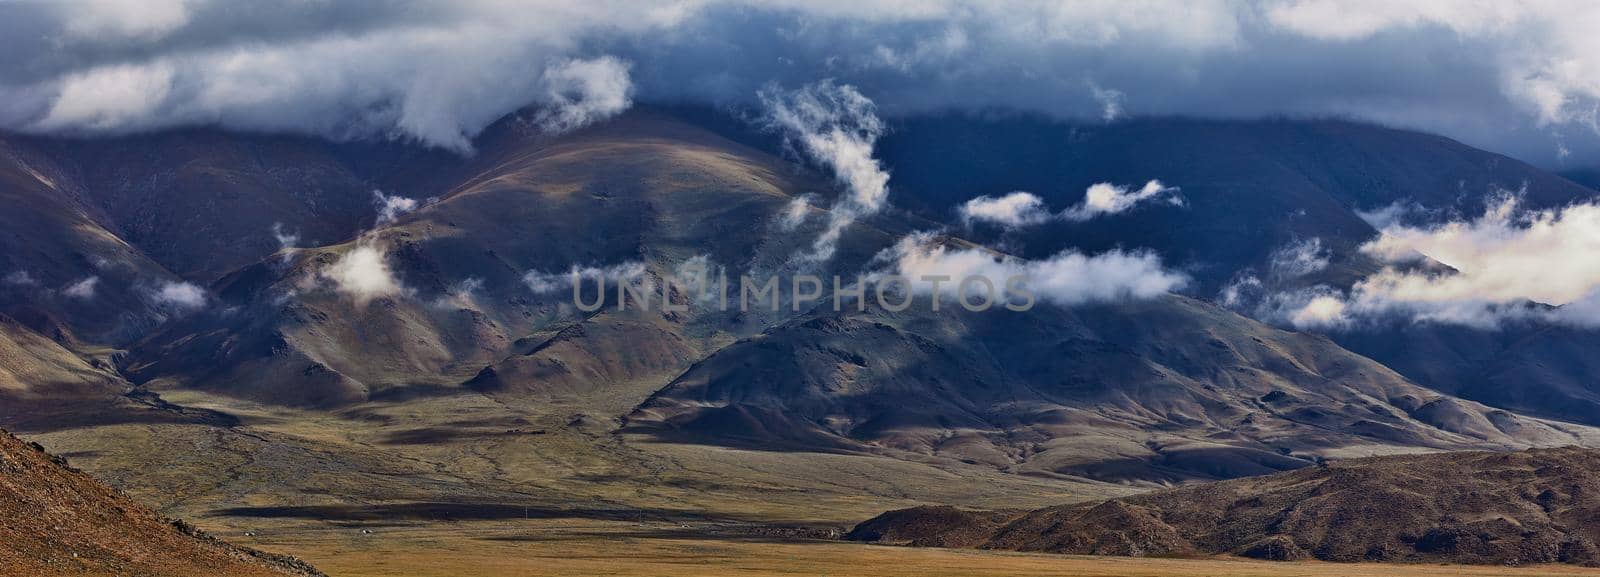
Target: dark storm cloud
(1517, 77)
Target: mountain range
(323, 329)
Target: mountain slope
(1536, 506)
(204, 202)
(1249, 187)
(643, 190)
(62, 272)
(55, 520)
(1163, 390)
(34, 368)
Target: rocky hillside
(55, 520)
(1536, 506)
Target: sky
(1521, 78)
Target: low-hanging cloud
(1067, 278)
(1505, 264)
(1022, 209)
(83, 289)
(547, 282)
(390, 207)
(1518, 74)
(1105, 198)
(363, 274)
(181, 296)
(1298, 259)
(1014, 210)
(582, 92)
(834, 126)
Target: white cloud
(836, 127)
(391, 207)
(1389, 215)
(796, 212)
(1014, 210)
(544, 283)
(363, 274)
(1110, 101)
(180, 295)
(101, 20)
(1298, 259)
(83, 289)
(1105, 198)
(461, 295)
(1482, 70)
(582, 92)
(109, 97)
(1240, 291)
(1020, 209)
(288, 242)
(1506, 263)
(1067, 278)
(19, 278)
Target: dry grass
(344, 490)
(506, 549)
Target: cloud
(836, 127)
(1506, 264)
(130, 19)
(1014, 210)
(184, 296)
(391, 207)
(109, 97)
(546, 283)
(288, 242)
(461, 295)
(1110, 101)
(582, 92)
(1105, 198)
(1506, 74)
(19, 278)
(1021, 209)
(1067, 278)
(1242, 290)
(796, 212)
(1298, 259)
(83, 289)
(363, 274)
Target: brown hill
(1536, 506)
(55, 520)
(1168, 389)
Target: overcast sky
(1521, 78)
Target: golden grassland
(468, 487)
(536, 549)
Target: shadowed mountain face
(1165, 390)
(435, 302)
(1252, 188)
(1535, 506)
(644, 191)
(59, 521)
(63, 273)
(1248, 187)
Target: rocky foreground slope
(55, 520)
(1536, 506)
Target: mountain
(1164, 390)
(34, 368)
(59, 521)
(644, 190)
(1248, 187)
(435, 302)
(1528, 507)
(63, 272)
